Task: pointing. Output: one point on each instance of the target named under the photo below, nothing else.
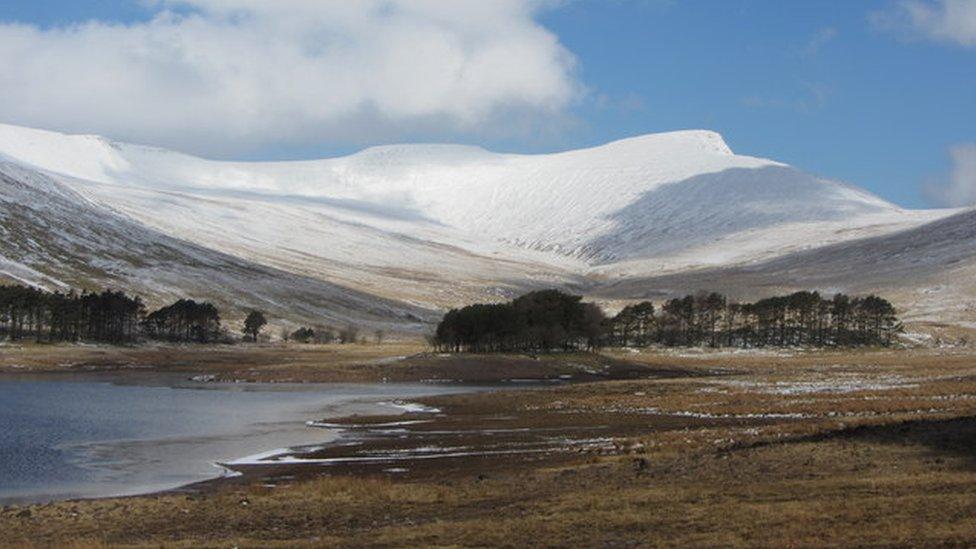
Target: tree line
(540, 321)
(184, 321)
(798, 319)
(109, 317)
(552, 320)
(115, 317)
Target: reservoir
(100, 435)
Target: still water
(105, 435)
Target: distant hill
(392, 235)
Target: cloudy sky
(881, 93)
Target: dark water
(95, 436)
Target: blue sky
(814, 84)
(857, 91)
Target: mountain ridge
(434, 226)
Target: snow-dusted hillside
(928, 271)
(54, 238)
(638, 198)
(439, 225)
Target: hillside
(929, 271)
(633, 199)
(54, 238)
(427, 227)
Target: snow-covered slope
(54, 238)
(438, 225)
(631, 199)
(928, 271)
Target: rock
(640, 465)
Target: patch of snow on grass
(820, 386)
(411, 407)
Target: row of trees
(540, 321)
(114, 317)
(109, 316)
(537, 322)
(798, 319)
(185, 320)
(552, 320)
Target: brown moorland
(692, 448)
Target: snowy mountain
(433, 226)
(930, 270)
(54, 238)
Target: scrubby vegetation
(324, 335)
(303, 335)
(551, 320)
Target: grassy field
(394, 362)
(768, 449)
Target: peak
(698, 140)
(85, 156)
(37, 132)
(419, 148)
(405, 153)
(39, 137)
(23, 132)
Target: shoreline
(717, 450)
(337, 401)
(550, 371)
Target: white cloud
(222, 76)
(626, 103)
(950, 21)
(817, 42)
(959, 189)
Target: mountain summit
(436, 225)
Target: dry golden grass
(805, 494)
(243, 361)
(821, 449)
(401, 361)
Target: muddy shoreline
(458, 435)
(369, 445)
(843, 448)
